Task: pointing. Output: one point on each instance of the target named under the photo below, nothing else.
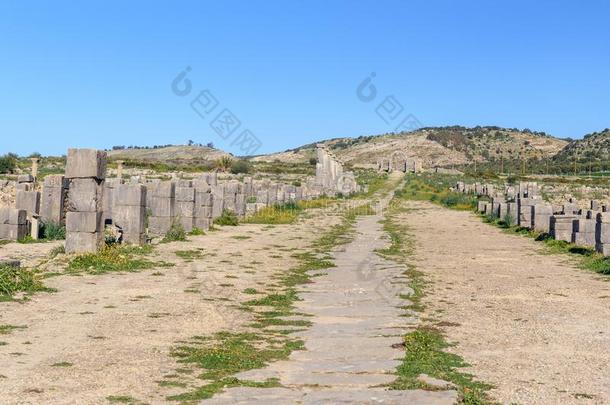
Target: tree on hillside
(223, 164)
(8, 163)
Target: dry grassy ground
(529, 323)
(111, 334)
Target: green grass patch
(425, 354)
(62, 364)
(196, 232)
(227, 354)
(16, 279)
(436, 189)
(189, 254)
(8, 329)
(114, 258)
(276, 214)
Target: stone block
(13, 231)
(159, 225)
(240, 204)
(204, 212)
(84, 195)
(12, 216)
(130, 195)
(262, 196)
(584, 239)
(130, 218)
(162, 207)
(250, 208)
(86, 163)
(24, 186)
(84, 242)
(603, 248)
(29, 201)
(166, 189)
(187, 223)
(185, 194)
(185, 209)
(204, 199)
(83, 222)
(542, 217)
(217, 207)
(203, 223)
(25, 178)
(562, 227)
(52, 204)
(201, 186)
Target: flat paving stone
(348, 352)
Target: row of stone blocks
(588, 228)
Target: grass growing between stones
(425, 354)
(17, 280)
(224, 354)
(425, 346)
(115, 258)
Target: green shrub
(240, 166)
(251, 200)
(8, 163)
(228, 218)
(176, 233)
(53, 231)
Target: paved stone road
(349, 353)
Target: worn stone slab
(85, 195)
(86, 163)
(83, 242)
(130, 194)
(83, 222)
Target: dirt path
(356, 318)
(110, 335)
(531, 324)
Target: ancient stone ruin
(135, 210)
(522, 205)
(400, 162)
(330, 176)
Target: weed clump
(175, 233)
(228, 218)
(114, 258)
(16, 279)
(53, 231)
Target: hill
(440, 146)
(177, 154)
(594, 147)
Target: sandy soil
(531, 324)
(116, 330)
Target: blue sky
(99, 74)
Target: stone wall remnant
(85, 174)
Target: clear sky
(99, 73)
